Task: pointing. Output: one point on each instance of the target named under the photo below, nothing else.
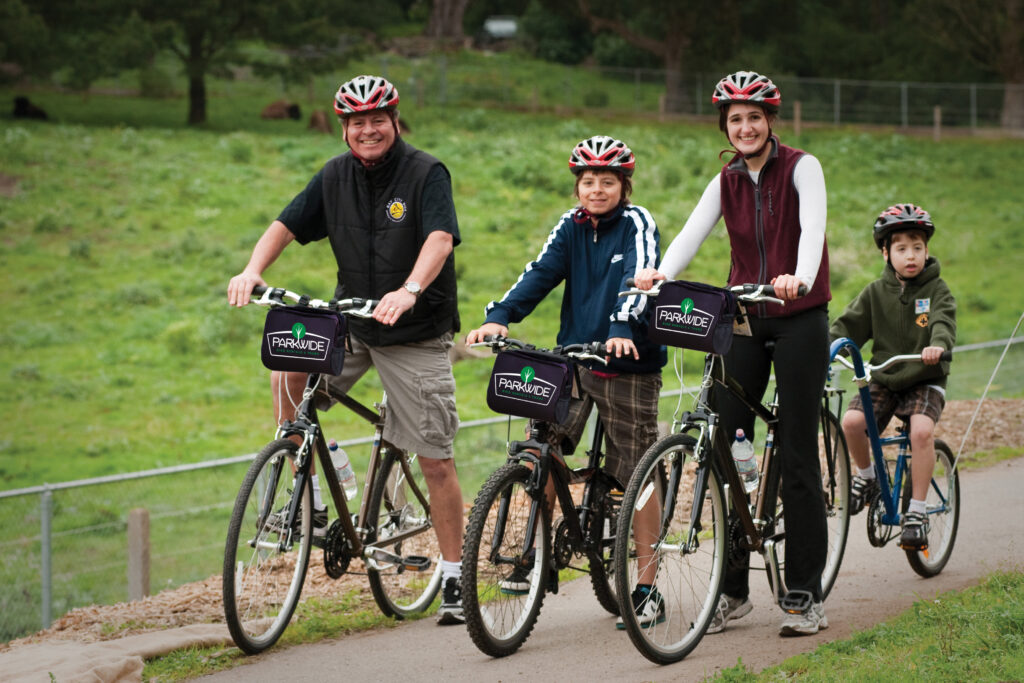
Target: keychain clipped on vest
(741, 324)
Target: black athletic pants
(800, 357)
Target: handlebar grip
(259, 289)
(801, 290)
(630, 282)
(946, 355)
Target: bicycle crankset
(878, 533)
(337, 553)
(562, 547)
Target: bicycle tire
(263, 573)
(943, 504)
(394, 508)
(499, 618)
(834, 462)
(604, 513)
(688, 581)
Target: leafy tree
(990, 34)
(554, 31)
(446, 19)
(664, 28)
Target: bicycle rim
(943, 504)
(501, 609)
(688, 568)
(395, 509)
(264, 569)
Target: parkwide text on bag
(301, 339)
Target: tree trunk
(446, 19)
(675, 96)
(1012, 116)
(196, 99)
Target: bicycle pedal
(416, 563)
(796, 602)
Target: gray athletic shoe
(727, 610)
(806, 623)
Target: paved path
(575, 640)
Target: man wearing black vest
(387, 210)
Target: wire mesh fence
(66, 545)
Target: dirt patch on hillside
(8, 185)
(1000, 424)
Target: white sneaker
(727, 610)
(806, 623)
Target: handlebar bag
(693, 315)
(301, 339)
(531, 384)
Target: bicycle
(510, 556)
(271, 532)
(692, 480)
(886, 510)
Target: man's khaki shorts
(420, 388)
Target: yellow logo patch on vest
(396, 210)
(922, 320)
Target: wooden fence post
(138, 553)
(796, 118)
(937, 128)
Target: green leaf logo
(687, 305)
(298, 330)
(527, 374)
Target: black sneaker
(648, 605)
(518, 582)
(915, 531)
(862, 492)
(450, 611)
(319, 526)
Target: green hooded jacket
(902, 317)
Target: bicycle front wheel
(943, 504)
(503, 581)
(265, 559)
(402, 529)
(672, 533)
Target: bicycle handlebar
(588, 351)
(863, 370)
(747, 293)
(275, 296)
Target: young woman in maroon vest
(773, 200)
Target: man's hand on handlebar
(486, 330)
(787, 287)
(240, 287)
(646, 277)
(392, 305)
(931, 355)
(619, 346)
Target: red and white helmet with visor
(602, 153)
(365, 93)
(748, 87)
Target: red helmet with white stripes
(602, 153)
(748, 87)
(365, 93)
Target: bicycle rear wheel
(834, 462)
(687, 555)
(603, 520)
(395, 509)
(943, 504)
(265, 562)
(503, 582)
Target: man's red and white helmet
(365, 93)
(748, 87)
(602, 152)
(899, 217)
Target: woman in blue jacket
(594, 248)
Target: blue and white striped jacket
(594, 263)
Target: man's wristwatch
(413, 288)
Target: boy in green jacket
(908, 310)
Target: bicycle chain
(561, 546)
(878, 533)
